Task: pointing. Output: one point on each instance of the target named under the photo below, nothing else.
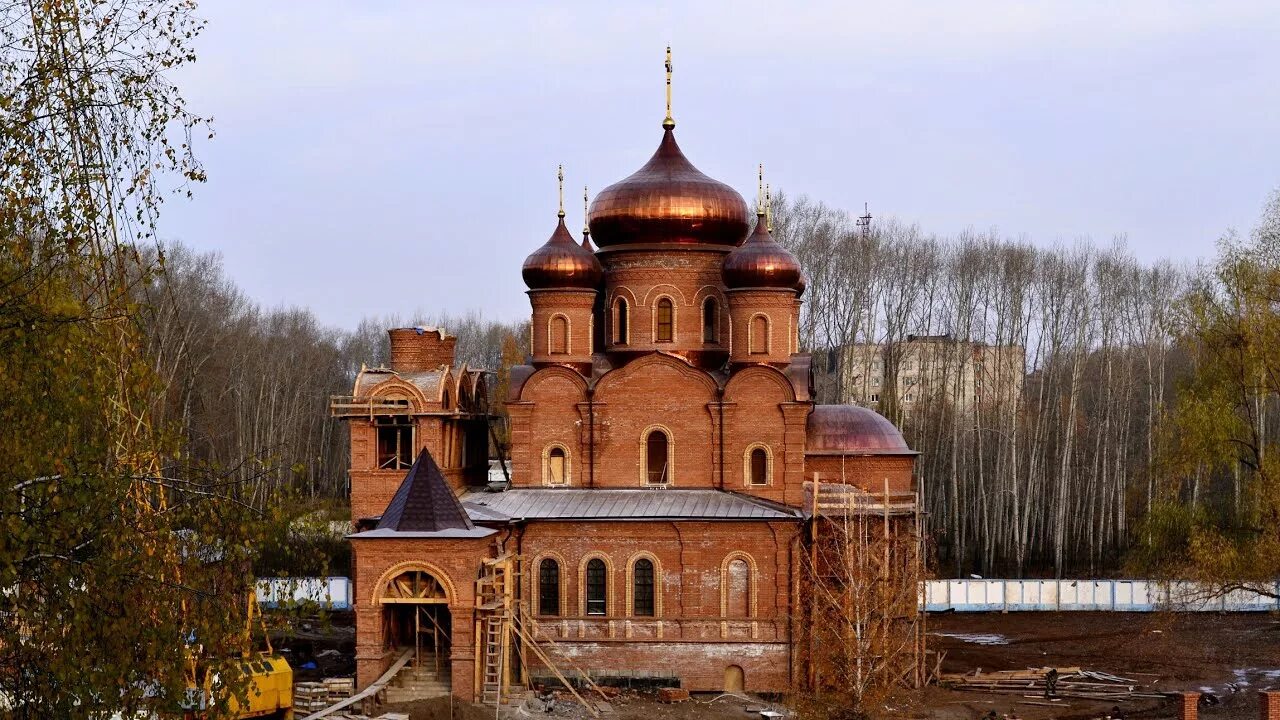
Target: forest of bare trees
(1048, 477)
(249, 386)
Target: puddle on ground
(976, 638)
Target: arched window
(759, 461)
(597, 587)
(657, 460)
(558, 343)
(710, 321)
(642, 588)
(759, 334)
(738, 590)
(548, 587)
(664, 323)
(556, 466)
(620, 322)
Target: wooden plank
(370, 691)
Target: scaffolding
(506, 634)
(861, 631)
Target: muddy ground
(1228, 656)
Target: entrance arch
(415, 600)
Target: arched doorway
(734, 679)
(415, 614)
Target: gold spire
(668, 122)
(560, 177)
(760, 190)
(586, 228)
(768, 208)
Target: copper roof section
(852, 430)
(562, 263)
(668, 201)
(761, 262)
(424, 502)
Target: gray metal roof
(620, 504)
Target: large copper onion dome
(562, 263)
(852, 430)
(668, 201)
(761, 262)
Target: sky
(400, 157)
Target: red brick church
(664, 445)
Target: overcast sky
(379, 157)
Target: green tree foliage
(1219, 517)
(122, 563)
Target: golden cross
(560, 177)
(669, 122)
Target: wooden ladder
(494, 629)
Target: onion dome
(668, 201)
(852, 430)
(562, 263)
(761, 261)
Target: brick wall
(642, 276)
(778, 306)
(867, 472)
(419, 349)
(694, 631)
(1269, 705)
(575, 306)
(456, 563)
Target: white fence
(1094, 595)
(936, 595)
(333, 593)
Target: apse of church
(664, 454)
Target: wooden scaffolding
(861, 634)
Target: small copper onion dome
(562, 263)
(852, 430)
(761, 262)
(668, 201)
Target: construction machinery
(266, 676)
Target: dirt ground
(1228, 656)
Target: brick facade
(723, 590)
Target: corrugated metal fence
(936, 595)
(1087, 595)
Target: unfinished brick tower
(667, 464)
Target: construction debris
(1049, 683)
(672, 695)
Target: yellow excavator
(269, 692)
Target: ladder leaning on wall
(495, 613)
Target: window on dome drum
(559, 341)
(656, 459)
(620, 324)
(759, 334)
(556, 466)
(395, 443)
(597, 587)
(665, 321)
(759, 467)
(548, 587)
(642, 588)
(710, 321)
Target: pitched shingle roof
(424, 502)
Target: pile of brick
(340, 688)
(310, 696)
